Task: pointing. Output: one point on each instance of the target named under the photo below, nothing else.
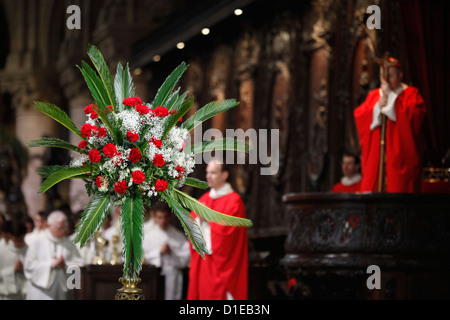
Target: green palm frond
(232, 144)
(209, 214)
(63, 174)
(59, 115)
(208, 111)
(197, 183)
(132, 221)
(54, 142)
(182, 108)
(47, 171)
(172, 100)
(169, 84)
(93, 217)
(190, 226)
(100, 96)
(123, 84)
(105, 75)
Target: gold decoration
(100, 245)
(116, 259)
(129, 291)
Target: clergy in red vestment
(405, 110)
(351, 179)
(223, 273)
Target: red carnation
(158, 160)
(94, 115)
(132, 136)
(132, 101)
(156, 142)
(135, 155)
(110, 107)
(161, 185)
(100, 181)
(86, 130)
(180, 170)
(83, 144)
(88, 109)
(94, 155)
(138, 176)
(120, 186)
(110, 150)
(101, 132)
(161, 111)
(142, 109)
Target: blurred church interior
(300, 67)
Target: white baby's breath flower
(78, 160)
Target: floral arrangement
(131, 151)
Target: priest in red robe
(405, 110)
(351, 178)
(222, 274)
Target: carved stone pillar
(319, 53)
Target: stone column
(32, 124)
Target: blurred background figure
(12, 256)
(351, 178)
(46, 261)
(40, 225)
(167, 247)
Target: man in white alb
(167, 247)
(47, 260)
(12, 255)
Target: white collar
(346, 181)
(222, 191)
(389, 109)
(52, 238)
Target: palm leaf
(59, 115)
(172, 99)
(105, 75)
(190, 226)
(208, 111)
(132, 221)
(93, 217)
(63, 174)
(169, 84)
(47, 171)
(218, 144)
(54, 142)
(209, 214)
(95, 85)
(100, 96)
(181, 111)
(123, 85)
(197, 183)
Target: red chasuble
(225, 270)
(341, 188)
(404, 144)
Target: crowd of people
(34, 255)
(33, 259)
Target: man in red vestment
(405, 110)
(351, 180)
(223, 273)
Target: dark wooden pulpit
(100, 282)
(336, 241)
